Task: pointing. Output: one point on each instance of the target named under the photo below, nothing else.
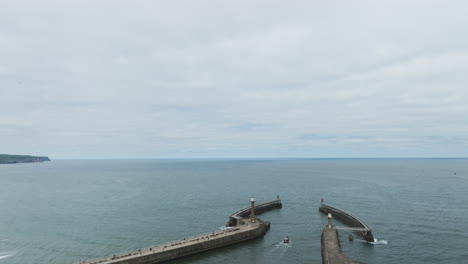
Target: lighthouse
(252, 210)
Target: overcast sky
(155, 79)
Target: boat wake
(285, 247)
(4, 255)
(281, 247)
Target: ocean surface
(66, 211)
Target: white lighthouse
(252, 210)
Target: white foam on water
(376, 241)
(4, 255)
(275, 246)
(285, 247)
(281, 246)
(379, 242)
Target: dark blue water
(65, 211)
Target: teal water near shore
(66, 211)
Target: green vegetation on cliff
(8, 159)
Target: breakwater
(331, 248)
(259, 208)
(245, 229)
(353, 221)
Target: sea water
(66, 211)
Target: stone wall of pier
(198, 246)
(331, 248)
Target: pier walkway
(244, 229)
(331, 248)
(171, 248)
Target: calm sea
(66, 211)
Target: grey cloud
(233, 78)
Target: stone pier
(245, 228)
(331, 248)
(353, 221)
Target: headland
(12, 159)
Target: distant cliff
(10, 159)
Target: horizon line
(244, 158)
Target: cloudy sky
(156, 79)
